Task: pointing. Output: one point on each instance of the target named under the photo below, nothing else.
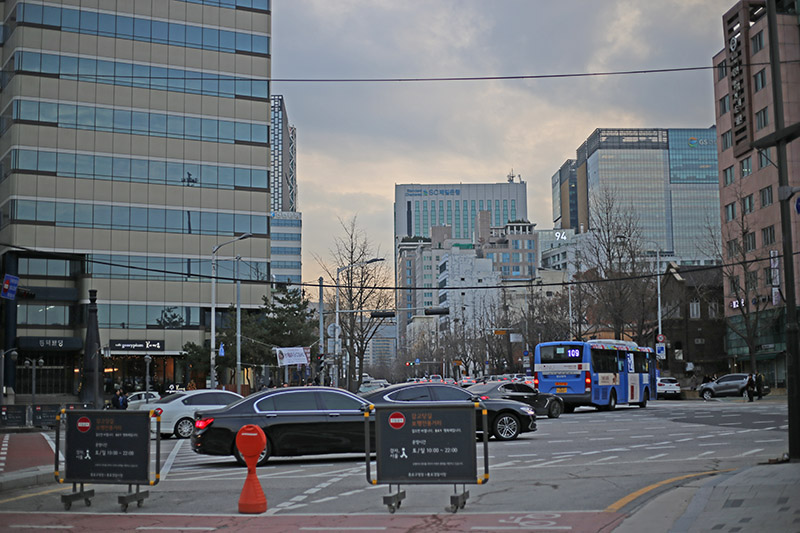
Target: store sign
(128, 345)
(49, 343)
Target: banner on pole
(295, 355)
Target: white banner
(295, 355)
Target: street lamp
(12, 353)
(658, 281)
(214, 303)
(337, 339)
(238, 328)
(31, 363)
(147, 360)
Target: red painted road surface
(24, 450)
(137, 519)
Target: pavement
(761, 497)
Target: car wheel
(184, 428)
(612, 401)
(506, 427)
(262, 458)
(707, 394)
(555, 410)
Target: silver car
(727, 385)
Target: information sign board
(13, 415)
(426, 444)
(107, 447)
(44, 415)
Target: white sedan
(141, 397)
(177, 410)
(668, 388)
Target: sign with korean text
(296, 355)
(426, 444)
(129, 345)
(10, 284)
(107, 447)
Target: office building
(134, 142)
(749, 207)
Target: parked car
(506, 418)
(295, 420)
(542, 402)
(177, 410)
(667, 387)
(727, 385)
(141, 397)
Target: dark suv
(727, 385)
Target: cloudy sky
(357, 140)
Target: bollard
(251, 441)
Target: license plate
(561, 389)
(560, 384)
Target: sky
(355, 141)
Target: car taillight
(203, 423)
(485, 398)
(536, 379)
(588, 380)
(157, 411)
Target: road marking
(22, 526)
(731, 424)
(771, 440)
(622, 502)
(751, 452)
(715, 444)
(655, 456)
(524, 455)
(678, 434)
(553, 462)
(701, 455)
(659, 447)
(641, 436)
(604, 459)
(184, 528)
(348, 528)
(34, 494)
(171, 459)
(602, 438)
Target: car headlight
(528, 410)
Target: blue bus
(601, 373)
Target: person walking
(120, 400)
(760, 385)
(751, 387)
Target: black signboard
(426, 444)
(128, 345)
(13, 415)
(44, 415)
(107, 447)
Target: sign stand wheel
(457, 501)
(131, 497)
(76, 495)
(394, 501)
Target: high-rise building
(666, 177)
(135, 141)
(286, 221)
(752, 234)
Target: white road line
(22, 526)
(524, 455)
(641, 436)
(731, 424)
(349, 528)
(171, 459)
(576, 432)
(678, 434)
(659, 447)
(771, 440)
(751, 452)
(715, 444)
(566, 453)
(548, 463)
(182, 528)
(602, 438)
(609, 458)
(655, 456)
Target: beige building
(135, 140)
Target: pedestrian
(751, 387)
(760, 385)
(120, 400)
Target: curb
(29, 477)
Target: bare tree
(360, 282)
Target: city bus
(601, 373)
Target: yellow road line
(34, 494)
(622, 502)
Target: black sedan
(295, 420)
(506, 418)
(542, 402)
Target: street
(584, 471)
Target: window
(763, 158)
(768, 235)
(734, 284)
(733, 247)
(751, 280)
(757, 42)
(730, 212)
(762, 119)
(722, 69)
(749, 240)
(760, 79)
(713, 310)
(724, 104)
(746, 166)
(337, 401)
(748, 204)
(766, 196)
(768, 276)
(728, 176)
(694, 309)
(727, 140)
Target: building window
(751, 280)
(748, 204)
(724, 104)
(768, 276)
(734, 285)
(760, 79)
(758, 42)
(749, 240)
(768, 235)
(733, 248)
(713, 310)
(728, 176)
(694, 308)
(746, 166)
(766, 196)
(730, 211)
(763, 158)
(722, 70)
(762, 119)
(727, 140)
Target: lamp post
(337, 339)
(658, 281)
(31, 363)
(238, 328)
(12, 353)
(212, 369)
(147, 360)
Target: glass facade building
(134, 139)
(287, 266)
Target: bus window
(604, 361)
(640, 363)
(560, 354)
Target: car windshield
(669, 380)
(171, 397)
(481, 388)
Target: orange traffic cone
(251, 441)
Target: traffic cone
(251, 442)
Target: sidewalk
(26, 458)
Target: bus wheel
(643, 403)
(612, 401)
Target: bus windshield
(568, 353)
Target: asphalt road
(584, 471)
